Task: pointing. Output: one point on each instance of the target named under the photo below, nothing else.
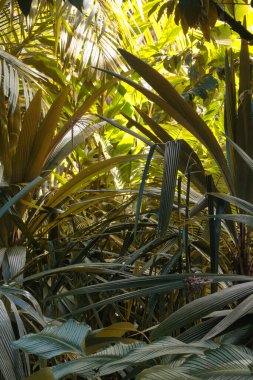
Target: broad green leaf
(89, 365)
(25, 307)
(222, 363)
(166, 346)
(162, 372)
(201, 307)
(20, 298)
(55, 340)
(242, 309)
(14, 262)
(197, 332)
(225, 362)
(85, 367)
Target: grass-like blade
(171, 162)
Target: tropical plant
(107, 213)
(178, 360)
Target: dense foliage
(126, 187)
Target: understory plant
(182, 345)
(139, 260)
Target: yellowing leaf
(116, 330)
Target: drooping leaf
(14, 261)
(225, 362)
(242, 309)
(242, 153)
(55, 340)
(179, 109)
(240, 203)
(201, 307)
(82, 178)
(71, 140)
(88, 366)
(19, 195)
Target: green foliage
(125, 202)
(198, 360)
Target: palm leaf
(240, 218)
(180, 110)
(89, 365)
(13, 68)
(81, 131)
(10, 360)
(225, 362)
(170, 169)
(162, 372)
(26, 189)
(44, 137)
(80, 180)
(143, 180)
(14, 261)
(55, 340)
(242, 153)
(201, 307)
(189, 158)
(86, 105)
(166, 346)
(240, 203)
(244, 308)
(26, 139)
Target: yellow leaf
(116, 330)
